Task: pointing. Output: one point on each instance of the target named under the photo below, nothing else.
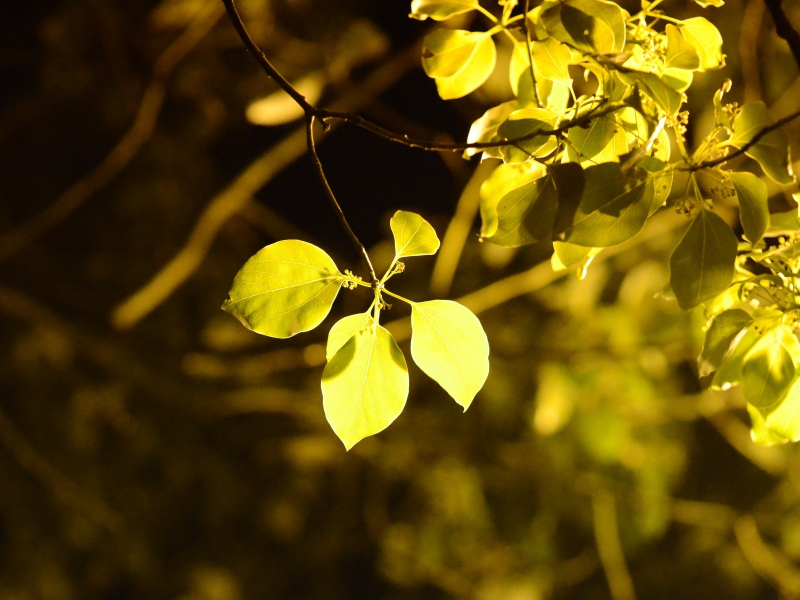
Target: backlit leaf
(524, 122)
(593, 26)
(772, 150)
(660, 180)
(551, 61)
(459, 61)
(286, 288)
(505, 178)
(702, 264)
(587, 143)
(526, 214)
(730, 371)
(768, 369)
(725, 327)
(364, 385)
(680, 53)
(343, 330)
(753, 209)
(413, 235)
(485, 128)
(449, 345)
(440, 10)
(570, 255)
(780, 423)
(666, 97)
(706, 39)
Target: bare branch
(784, 27)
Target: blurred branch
(784, 27)
(240, 192)
(748, 49)
(766, 561)
(737, 434)
(457, 231)
(609, 546)
(271, 223)
(125, 150)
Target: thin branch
(124, 151)
(312, 149)
(745, 147)
(766, 561)
(784, 28)
(748, 49)
(527, 30)
(609, 546)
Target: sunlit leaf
(730, 371)
(707, 3)
(772, 150)
(768, 368)
(587, 143)
(551, 61)
(440, 10)
(505, 178)
(724, 328)
(784, 223)
(364, 385)
(702, 264)
(753, 209)
(677, 79)
(666, 97)
(449, 345)
(459, 61)
(286, 288)
(593, 26)
(485, 128)
(762, 435)
(413, 235)
(680, 53)
(570, 255)
(612, 208)
(527, 121)
(526, 214)
(706, 39)
(343, 330)
(660, 180)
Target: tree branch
(784, 27)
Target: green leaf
(702, 264)
(441, 10)
(413, 235)
(725, 327)
(459, 61)
(730, 371)
(570, 255)
(485, 128)
(364, 385)
(505, 178)
(587, 143)
(527, 213)
(706, 39)
(680, 53)
(677, 79)
(343, 330)
(659, 179)
(286, 288)
(721, 116)
(592, 26)
(753, 209)
(551, 61)
(668, 99)
(524, 122)
(772, 150)
(611, 210)
(784, 223)
(762, 435)
(768, 368)
(449, 345)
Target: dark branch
(784, 27)
(527, 31)
(745, 147)
(312, 150)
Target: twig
(767, 562)
(125, 150)
(745, 147)
(784, 28)
(609, 546)
(748, 49)
(240, 192)
(527, 30)
(312, 149)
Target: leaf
(730, 371)
(706, 39)
(551, 61)
(485, 128)
(586, 143)
(780, 423)
(772, 150)
(680, 53)
(527, 213)
(343, 330)
(449, 345)
(783, 223)
(668, 99)
(677, 79)
(413, 235)
(505, 178)
(459, 61)
(725, 327)
(659, 179)
(524, 122)
(707, 3)
(286, 288)
(753, 209)
(702, 264)
(279, 107)
(768, 368)
(441, 10)
(364, 385)
(592, 26)
(570, 255)
(762, 435)
(611, 209)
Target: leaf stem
(393, 295)
(527, 32)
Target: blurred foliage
(188, 458)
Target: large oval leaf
(286, 288)
(527, 213)
(343, 330)
(459, 61)
(449, 345)
(780, 423)
(706, 39)
(753, 210)
(702, 264)
(440, 10)
(551, 61)
(413, 235)
(586, 144)
(485, 128)
(724, 329)
(680, 53)
(768, 369)
(505, 178)
(364, 385)
(527, 121)
(592, 26)
(772, 150)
